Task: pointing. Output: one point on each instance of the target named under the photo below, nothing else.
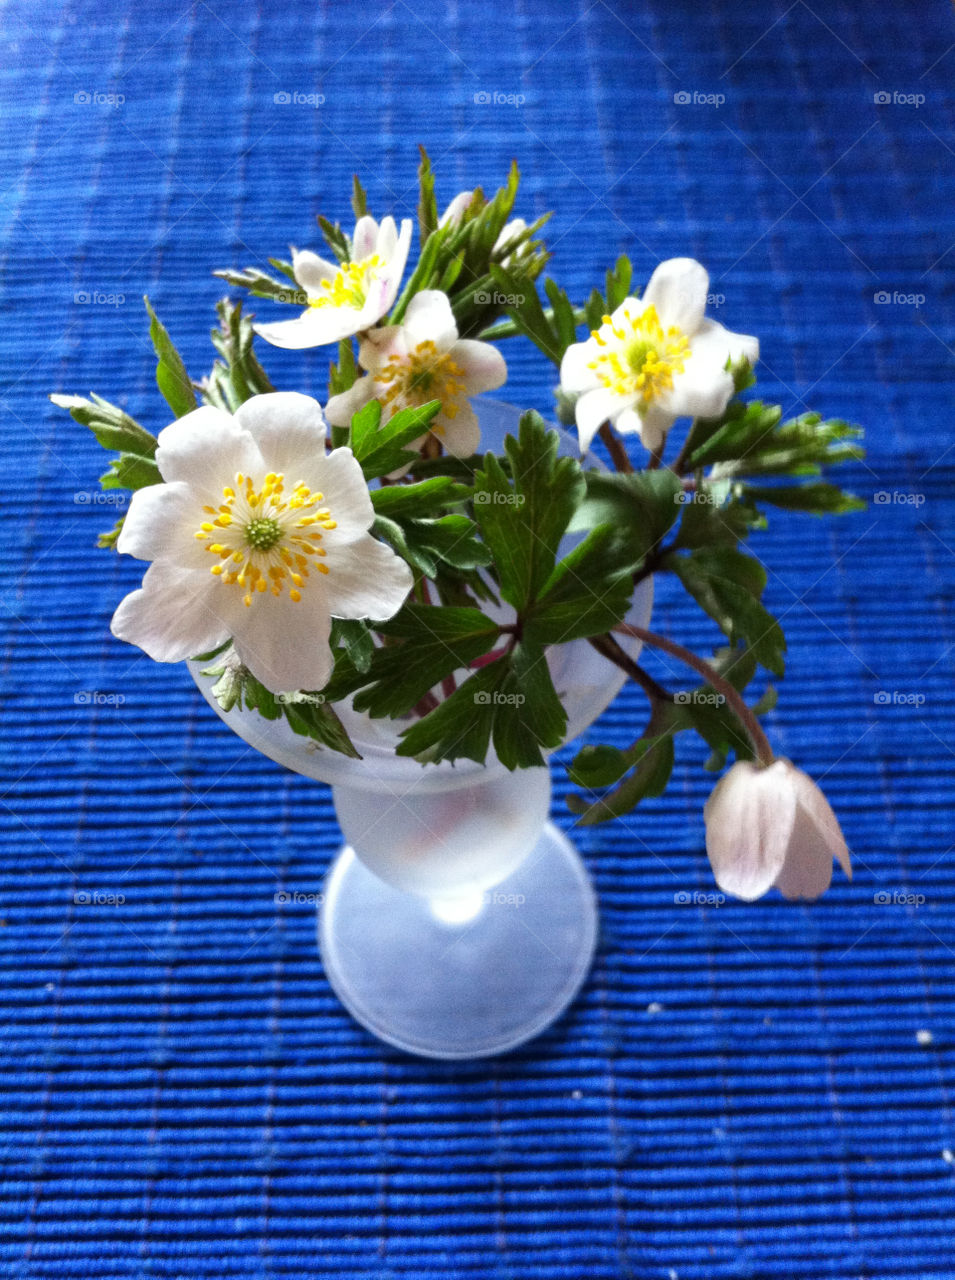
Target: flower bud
(771, 825)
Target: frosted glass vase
(457, 921)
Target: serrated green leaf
(421, 499)
(380, 447)
(429, 643)
(311, 716)
(649, 778)
(731, 602)
(524, 518)
(642, 505)
(588, 592)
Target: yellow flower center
(421, 376)
(642, 358)
(348, 287)
(266, 540)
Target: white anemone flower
(656, 359)
(420, 360)
(259, 536)
(772, 825)
(345, 300)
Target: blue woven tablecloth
(741, 1091)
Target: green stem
(712, 677)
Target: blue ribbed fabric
(760, 1092)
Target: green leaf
(262, 285)
(171, 376)
(524, 518)
(342, 376)
(427, 204)
(108, 539)
(618, 282)
(746, 428)
(336, 239)
(726, 585)
(359, 199)
(381, 448)
(529, 712)
(512, 698)
(129, 471)
(588, 592)
(238, 376)
(649, 778)
(112, 426)
(819, 498)
(642, 505)
(426, 543)
(310, 715)
(429, 643)
(355, 637)
(422, 499)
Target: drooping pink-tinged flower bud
(771, 825)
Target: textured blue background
(741, 1091)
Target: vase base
(464, 977)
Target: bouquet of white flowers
(367, 554)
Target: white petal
(678, 290)
(652, 426)
(340, 479)
(749, 823)
(702, 390)
(575, 374)
(483, 365)
(176, 613)
(396, 266)
(509, 232)
(429, 318)
(288, 428)
(311, 270)
(284, 643)
(342, 407)
(316, 327)
(592, 410)
(366, 580)
(366, 237)
(462, 433)
(817, 838)
(379, 345)
(161, 524)
(456, 208)
(205, 449)
(713, 338)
